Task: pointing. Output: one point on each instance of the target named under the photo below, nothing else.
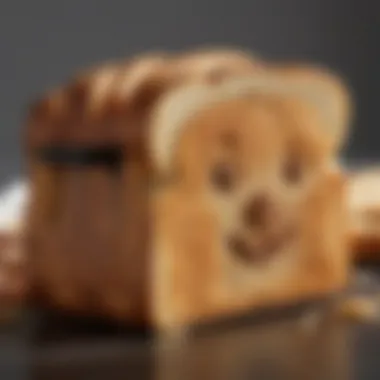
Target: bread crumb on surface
(359, 308)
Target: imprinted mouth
(264, 250)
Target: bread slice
(223, 147)
(364, 205)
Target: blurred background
(43, 41)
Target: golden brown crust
(81, 109)
(13, 276)
(215, 65)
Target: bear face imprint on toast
(253, 159)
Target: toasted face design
(253, 161)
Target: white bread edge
(175, 108)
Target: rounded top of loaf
(108, 103)
(323, 79)
(178, 106)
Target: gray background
(43, 41)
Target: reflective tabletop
(306, 342)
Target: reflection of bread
(265, 351)
(364, 203)
(163, 238)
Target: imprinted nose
(258, 211)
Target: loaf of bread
(364, 205)
(163, 195)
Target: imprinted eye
(293, 170)
(222, 177)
